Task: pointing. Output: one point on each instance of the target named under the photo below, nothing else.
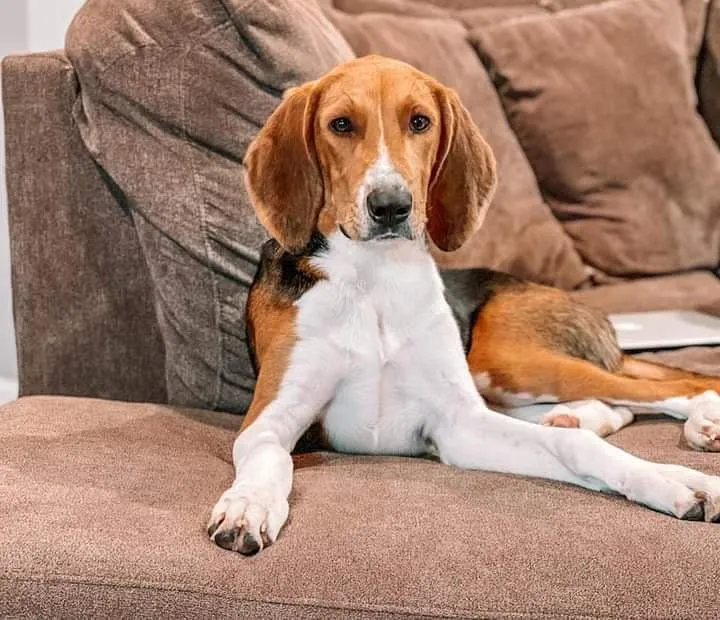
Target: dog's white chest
(372, 309)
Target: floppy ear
(281, 171)
(463, 179)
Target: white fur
(593, 415)
(701, 414)
(379, 362)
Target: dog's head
(375, 149)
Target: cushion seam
(308, 603)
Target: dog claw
(226, 538)
(249, 545)
(695, 513)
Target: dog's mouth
(385, 235)
(401, 232)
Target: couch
(105, 488)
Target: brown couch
(103, 503)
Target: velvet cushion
(519, 234)
(483, 12)
(171, 93)
(601, 99)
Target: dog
(352, 332)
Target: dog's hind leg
(533, 374)
(531, 344)
(593, 415)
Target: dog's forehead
(378, 81)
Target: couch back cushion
(480, 12)
(519, 234)
(602, 101)
(171, 95)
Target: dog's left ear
(281, 171)
(463, 179)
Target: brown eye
(341, 125)
(419, 123)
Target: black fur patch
(285, 276)
(468, 291)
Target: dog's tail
(642, 369)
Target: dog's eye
(341, 125)
(419, 123)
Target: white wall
(47, 21)
(25, 26)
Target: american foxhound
(352, 331)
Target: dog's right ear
(281, 170)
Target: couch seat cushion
(103, 508)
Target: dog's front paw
(702, 428)
(247, 519)
(680, 491)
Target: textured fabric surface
(103, 508)
(84, 319)
(694, 12)
(171, 95)
(602, 102)
(519, 234)
(483, 12)
(708, 80)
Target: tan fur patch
(513, 341)
(272, 322)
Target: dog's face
(376, 150)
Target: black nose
(389, 206)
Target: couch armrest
(82, 300)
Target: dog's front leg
(250, 514)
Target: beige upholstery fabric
(694, 11)
(698, 290)
(103, 508)
(628, 166)
(483, 12)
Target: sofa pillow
(602, 101)
(520, 233)
(474, 13)
(694, 14)
(171, 93)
